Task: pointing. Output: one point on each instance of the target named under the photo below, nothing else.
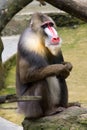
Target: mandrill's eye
(47, 24)
(44, 26)
(51, 24)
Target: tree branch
(14, 98)
(74, 7)
(8, 8)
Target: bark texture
(74, 7)
(8, 8)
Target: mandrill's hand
(66, 71)
(68, 65)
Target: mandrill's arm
(30, 74)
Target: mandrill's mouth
(55, 41)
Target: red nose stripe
(52, 31)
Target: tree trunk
(1, 67)
(73, 118)
(76, 8)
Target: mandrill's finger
(68, 65)
(64, 73)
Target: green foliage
(11, 76)
(10, 63)
(66, 20)
(7, 90)
(2, 76)
(9, 69)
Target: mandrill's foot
(55, 111)
(74, 104)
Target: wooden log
(14, 98)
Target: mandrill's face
(45, 27)
(52, 40)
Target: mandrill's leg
(36, 108)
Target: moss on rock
(73, 118)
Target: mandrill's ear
(42, 2)
(30, 23)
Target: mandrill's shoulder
(29, 40)
(26, 34)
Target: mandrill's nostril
(55, 40)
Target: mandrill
(41, 70)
